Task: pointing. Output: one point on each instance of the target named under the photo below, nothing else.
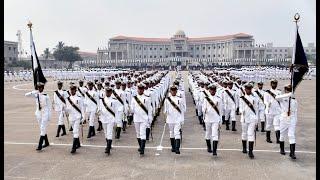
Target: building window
(191, 56)
(218, 55)
(14, 49)
(307, 50)
(140, 56)
(9, 48)
(191, 48)
(203, 56)
(214, 47)
(145, 56)
(155, 56)
(285, 50)
(144, 48)
(275, 50)
(155, 48)
(167, 49)
(160, 49)
(222, 46)
(150, 48)
(209, 47)
(214, 55)
(136, 47)
(197, 55)
(222, 55)
(208, 56)
(10, 58)
(197, 48)
(136, 56)
(160, 56)
(218, 47)
(286, 55)
(204, 48)
(280, 50)
(140, 48)
(166, 56)
(150, 56)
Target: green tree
(46, 53)
(67, 53)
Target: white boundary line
(130, 147)
(16, 87)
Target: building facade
(286, 52)
(10, 51)
(239, 45)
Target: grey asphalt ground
(22, 161)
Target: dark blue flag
(299, 66)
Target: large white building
(239, 45)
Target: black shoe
(227, 125)
(74, 146)
(223, 119)
(262, 127)
(124, 126)
(58, 131)
(172, 145)
(214, 147)
(292, 151)
(244, 146)
(200, 121)
(177, 142)
(71, 129)
(139, 142)
(63, 130)
(208, 145)
(118, 130)
(147, 134)
(233, 125)
(93, 131)
(268, 137)
(46, 141)
(143, 143)
(40, 143)
(109, 142)
(251, 149)
(282, 148)
(204, 126)
(78, 143)
(277, 136)
(89, 132)
(257, 128)
(99, 127)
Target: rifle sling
(73, 105)
(90, 97)
(108, 109)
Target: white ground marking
(134, 147)
(17, 87)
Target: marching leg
(251, 149)
(262, 127)
(172, 145)
(282, 148)
(292, 151)
(46, 141)
(74, 146)
(63, 130)
(244, 146)
(40, 143)
(58, 130)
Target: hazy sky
(89, 24)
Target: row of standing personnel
(218, 99)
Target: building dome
(180, 33)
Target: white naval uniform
(140, 118)
(229, 104)
(43, 115)
(108, 119)
(272, 110)
(211, 118)
(248, 119)
(59, 106)
(91, 107)
(174, 117)
(121, 107)
(261, 106)
(74, 116)
(288, 123)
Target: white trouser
(230, 113)
(248, 131)
(287, 128)
(92, 116)
(61, 117)
(174, 129)
(75, 126)
(119, 120)
(108, 130)
(270, 118)
(43, 123)
(140, 130)
(276, 122)
(212, 131)
(261, 117)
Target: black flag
(36, 68)
(299, 66)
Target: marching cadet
(59, 103)
(174, 109)
(288, 119)
(101, 93)
(81, 91)
(248, 109)
(230, 104)
(119, 95)
(142, 116)
(43, 113)
(147, 92)
(272, 110)
(131, 92)
(74, 106)
(262, 117)
(91, 103)
(212, 107)
(108, 108)
(127, 97)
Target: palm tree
(46, 53)
(60, 45)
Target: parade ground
(22, 161)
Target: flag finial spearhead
(29, 24)
(296, 17)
